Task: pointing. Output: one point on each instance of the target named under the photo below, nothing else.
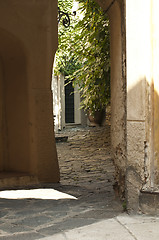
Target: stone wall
(138, 81)
(116, 13)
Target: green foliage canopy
(84, 53)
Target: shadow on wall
(142, 140)
(14, 139)
(155, 164)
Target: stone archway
(28, 31)
(116, 12)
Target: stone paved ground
(86, 173)
(87, 169)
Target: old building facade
(66, 104)
(28, 37)
(134, 100)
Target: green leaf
(84, 52)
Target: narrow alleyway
(87, 170)
(85, 161)
(89, 211)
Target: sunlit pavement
(122, 227)
(83, 206)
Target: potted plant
(92, 51)
(95, 97)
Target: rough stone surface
(149, 202)
(135, 163)
(87, 175)
(85, 158)
(86, 172)
(118, 94)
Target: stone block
(147, 203)
(135, 145)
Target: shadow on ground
(86, 173)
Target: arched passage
(116, 11)
(14, 139)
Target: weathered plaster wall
(28, 40)
(118, 97)
(138, 43)
(155, 52)
(135, 95)
(116, 14)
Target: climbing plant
(84, 54)
(65, 58)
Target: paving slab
(142, 227)
(94, 212)
(108, 229)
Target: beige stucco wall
(142, 37)
(15, 104)
(135, 91)
(155, 70)
(27, 46)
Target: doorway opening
(97, 93)
(117, 129)
(69, 102)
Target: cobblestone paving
(87, 168)
(86, 173)
(85, 159)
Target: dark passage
(69, 103)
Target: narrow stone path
(86, 165)
(86, 174)
(92, 212)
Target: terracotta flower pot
(97, 118)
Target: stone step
(9, 180)
(149, 202)
(61, 138)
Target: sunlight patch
(35, 193)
